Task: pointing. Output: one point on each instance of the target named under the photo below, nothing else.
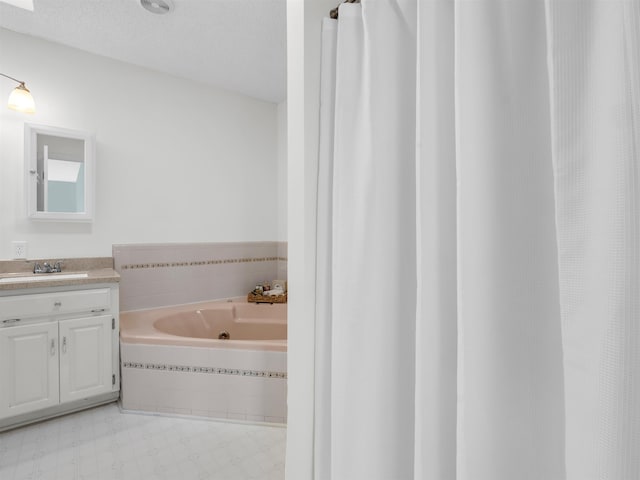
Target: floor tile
(104, 444)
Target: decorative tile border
(201, 263)
(210, 370)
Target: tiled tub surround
(226, 379)
(156, 275)
(282, 260)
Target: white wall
(177, 161)
(282, 171)
(304, 19)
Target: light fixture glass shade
(21, 100)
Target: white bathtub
(173, 361)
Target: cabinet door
(28, 368)
(85, 357)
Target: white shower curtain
(478, 289)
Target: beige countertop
(97, 269)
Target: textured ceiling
(239, 45)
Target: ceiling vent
(157, 6)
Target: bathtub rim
(143, 332)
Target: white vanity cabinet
(59, 351)
(28, 368)
(85, 357)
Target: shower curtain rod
(334, 13)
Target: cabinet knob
(57, 304)
(53, 347)
(64, 344)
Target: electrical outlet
(19, 250)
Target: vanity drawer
(43, 304)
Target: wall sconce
(20, 98)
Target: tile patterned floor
(103, 443)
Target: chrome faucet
(47, 268)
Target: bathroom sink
(41, 277)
